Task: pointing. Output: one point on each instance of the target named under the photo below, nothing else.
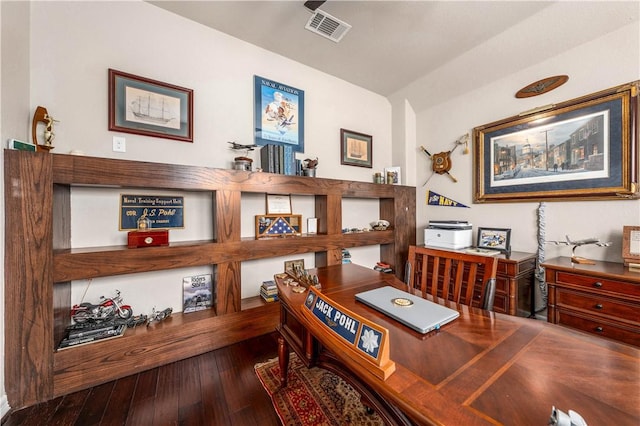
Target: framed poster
(278, 114)
(148, 107)
(585, 148)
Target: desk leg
(283, 360)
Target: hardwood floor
(216, 388)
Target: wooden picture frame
(269, 226)
(278, 114)
(356, 149)
(494, 239)
(631, 244)
(148, 107)
(585, 148)
(294, 265)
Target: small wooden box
(273, 225)
(158, 237)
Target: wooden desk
(484, 368)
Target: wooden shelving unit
(40, 263)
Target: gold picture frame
(585, 148)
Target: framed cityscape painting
(585, 148)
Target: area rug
(313, 396)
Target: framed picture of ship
(148, 107)
(356, 149)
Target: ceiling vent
(327, 26)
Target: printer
(448, 234)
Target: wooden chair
(464, 278)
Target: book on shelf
(77, 337)
(197, 293)
(269, 297)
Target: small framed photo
(278, 204)
(631, 244)
(393, 174)
(356, 149)
(294, 265)
(495, 239)
(148, 107)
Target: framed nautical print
(148, 107)
(356, 149)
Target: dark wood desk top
(487, 368)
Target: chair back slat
(461, 277)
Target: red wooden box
(158, 237)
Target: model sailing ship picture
(153, 108)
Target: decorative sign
(162, 212)
(434, 199)
(366, 340)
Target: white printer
(448, 234)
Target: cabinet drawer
(599, 284)
(599, 305)
(512, 269)
(595, 326)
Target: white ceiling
(396, 45)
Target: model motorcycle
(106, 310)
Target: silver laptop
(415, 312)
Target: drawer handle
(598, 306)
(599, 329)
(597, 284)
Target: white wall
(608, 61)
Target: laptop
(415, 312)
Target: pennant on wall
(434, 199)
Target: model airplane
(238, 146)
(578, 243)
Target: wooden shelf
(40, 263)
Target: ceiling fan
(324, 24)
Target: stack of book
(346, 256)
(279, 159)
(383, 267)
(269, 291)
(91, 333)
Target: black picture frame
(149, 107)
(356, 149)
(494, 239)
(585, 148)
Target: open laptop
(415, 312)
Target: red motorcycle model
(106, 310)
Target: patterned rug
(313, 396)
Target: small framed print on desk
(631, 245)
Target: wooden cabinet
(40, 263)
(601, 299)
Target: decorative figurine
(159, 315)
(42, 116)
(106, 310)
(309, 166)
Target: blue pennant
(434, 199)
